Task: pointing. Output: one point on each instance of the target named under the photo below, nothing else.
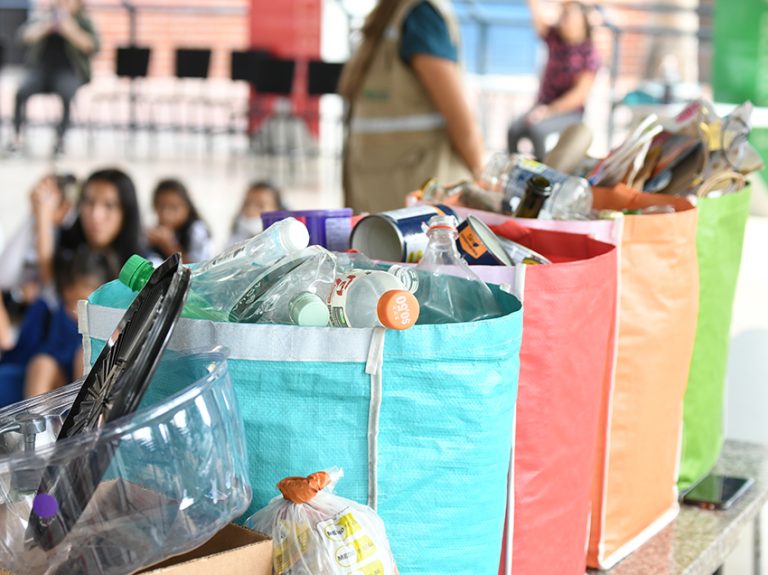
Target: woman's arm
(442, 80)
(33, 32)
(82, 40)
(539, 22)
(44, 203)
(574, 98)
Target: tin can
(327, 228)
(397, 235)
(479, 245)
(519, 254)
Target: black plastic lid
(113, 389)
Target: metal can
(397, 235)
(479, 245)
(519, 254)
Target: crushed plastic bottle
(297, 298)
(371, 298)
(447, 289)
(219, 285)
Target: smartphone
(717, 491)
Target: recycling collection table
(698, 542)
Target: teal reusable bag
(420, 420)
(719, 241)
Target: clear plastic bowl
(177, 473)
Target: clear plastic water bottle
(298, 298)
(371, 298)
(447, 290)
(280, 239)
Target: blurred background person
(60, 43)
(53, 342)
(566, 82)
(108, 220)
(179, 227)
(409, 118)
(261, 196)
(52, 206)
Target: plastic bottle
(280, 239)
(298, 297)
(447, 289)
(570, 200)
(227, 295)
(538, 189)
(371, 298)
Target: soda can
(480, 246)
(327, 228)
(397, 235)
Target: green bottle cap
(308, 309)
(136, 272)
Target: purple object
(45, 506)
(328, 228)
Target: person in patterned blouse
(567, 79)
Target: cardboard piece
(234, 550)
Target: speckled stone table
(699, 541)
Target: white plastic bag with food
(315, 532)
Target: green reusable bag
(718, 241)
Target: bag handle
(717, 180)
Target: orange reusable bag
(566, 362)
(635, 493)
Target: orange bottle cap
(398, 309)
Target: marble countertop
(697, 542)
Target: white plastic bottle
(371, 298)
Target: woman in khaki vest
(408, 118)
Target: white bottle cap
(293, 235)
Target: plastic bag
(315, 532)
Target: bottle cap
(308, 309)
(398, 309)
(442, 222)
(293, 235)
(136, 272)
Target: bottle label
(337, 299)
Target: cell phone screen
(718, 491)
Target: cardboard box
(232, 551)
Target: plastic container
(327, 228)
(447, 289)
(177, 474)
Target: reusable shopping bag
(420, 420)
(718, 243)
(566, 365)
(635, 490)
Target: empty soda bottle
(447, 289)
(298, 297)
(371, 298)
